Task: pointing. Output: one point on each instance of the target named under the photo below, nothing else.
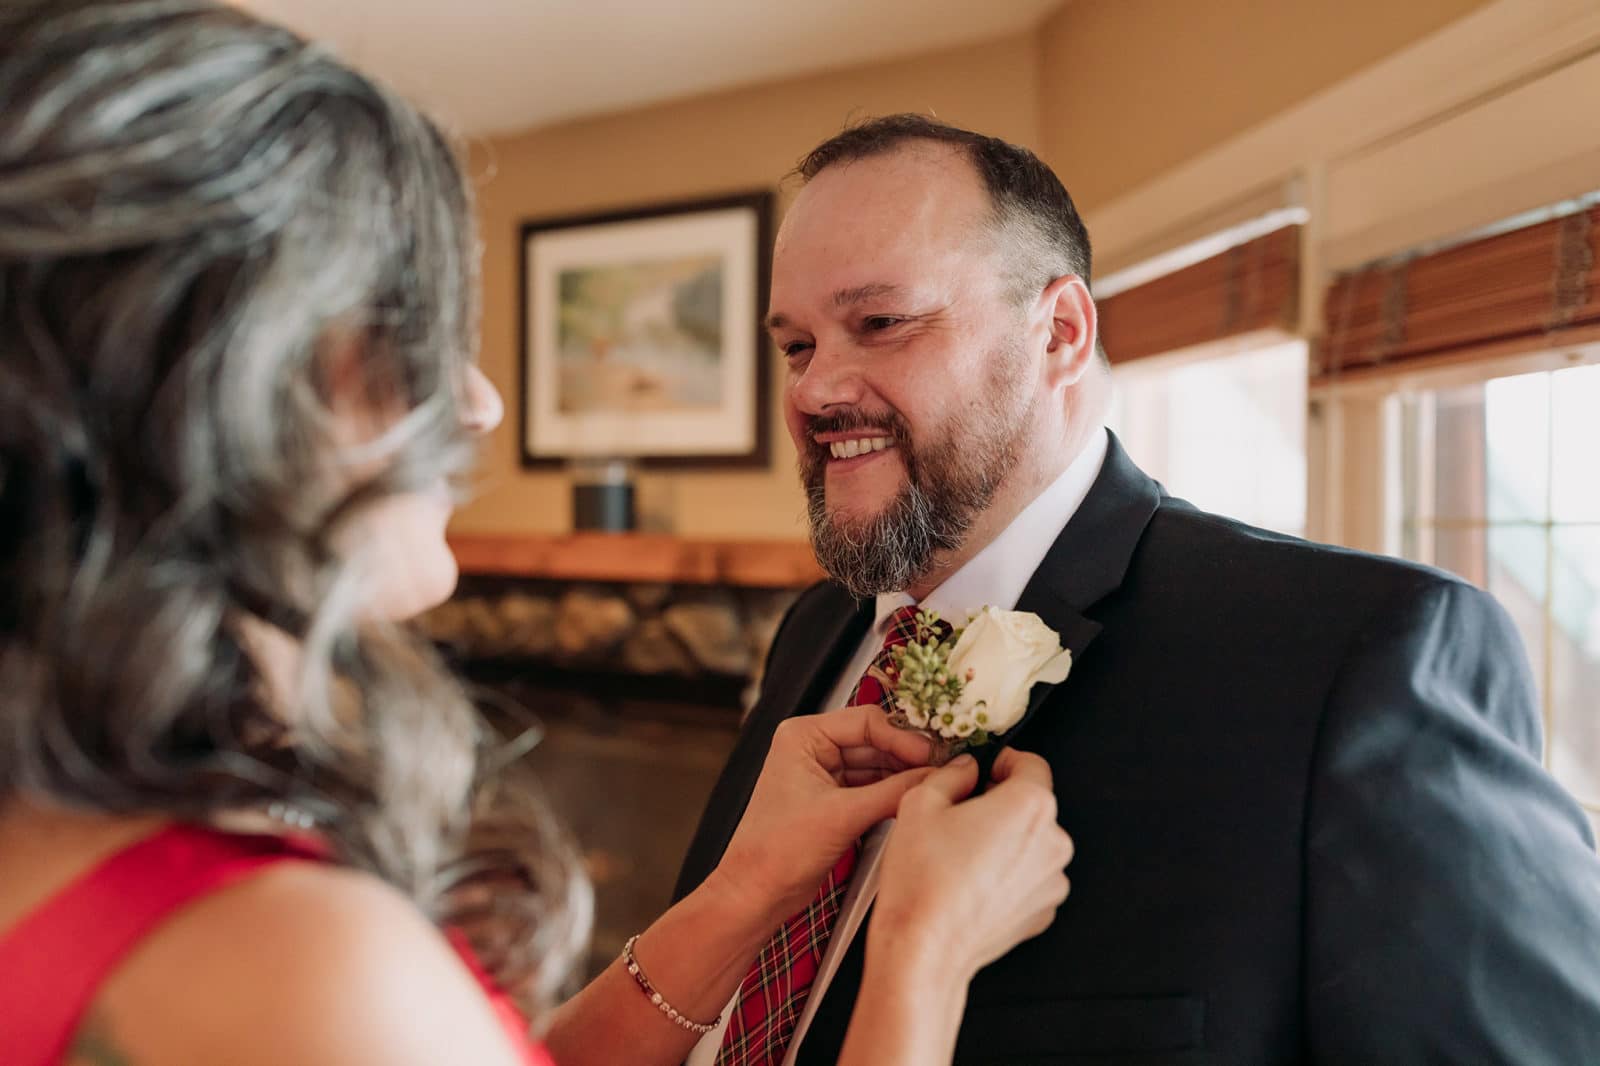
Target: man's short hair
(1040, 233)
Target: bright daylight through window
(1228, 434)
(1499, 486)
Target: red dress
(53, 963)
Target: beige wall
(1130, 88)
(1111, 92)
(727, 142)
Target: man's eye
(877, 322)
(794, 348)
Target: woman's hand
(828, 778)
(965, 882)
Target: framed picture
(642, 336)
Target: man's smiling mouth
(849, 449)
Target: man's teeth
(849, 449)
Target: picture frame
(642, 337)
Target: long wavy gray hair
(192, 202)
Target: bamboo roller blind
(1520, 290)
(1253, 286)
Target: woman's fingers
(1035, 912)
(859, 758)
(874, 801)
(860, 766)
(868, 727)
(948, 785)
(864, 776)
(908, 745)
(1046, 899)
(1014, 765)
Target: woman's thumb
(954, 781)
(870, 804)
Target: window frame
(1356, 485)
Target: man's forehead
(881, 226)
(931, 183)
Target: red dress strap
(53, 963)
(56, 959)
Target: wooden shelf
(641, 557)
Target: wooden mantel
(641, 557)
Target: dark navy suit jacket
(1304, 785)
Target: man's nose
(831, 378)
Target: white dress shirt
(995, 577)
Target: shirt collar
(996, 576)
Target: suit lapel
(1090, 559)
(833, 632)
(1087, 562)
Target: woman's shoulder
(302, 962)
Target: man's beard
(949, 484)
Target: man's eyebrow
(844, 298)
(863, 293)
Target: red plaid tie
(773, 994)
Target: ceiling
(491, 66)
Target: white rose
(1000, 657)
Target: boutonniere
(970, 685)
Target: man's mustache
(889, 424)
(814, 456)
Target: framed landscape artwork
(641, 334)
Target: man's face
(909, 391)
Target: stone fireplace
(637, 657)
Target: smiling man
(918, 403)
(1304, 784)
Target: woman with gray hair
(246, 815)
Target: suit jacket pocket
(1153, 1030)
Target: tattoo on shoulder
(95, 1047)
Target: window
(1499, 485)
(1228, 434)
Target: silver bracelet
(698, 1028)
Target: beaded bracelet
(698, 1028)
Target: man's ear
(1073, 327)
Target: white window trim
(1386, 511)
